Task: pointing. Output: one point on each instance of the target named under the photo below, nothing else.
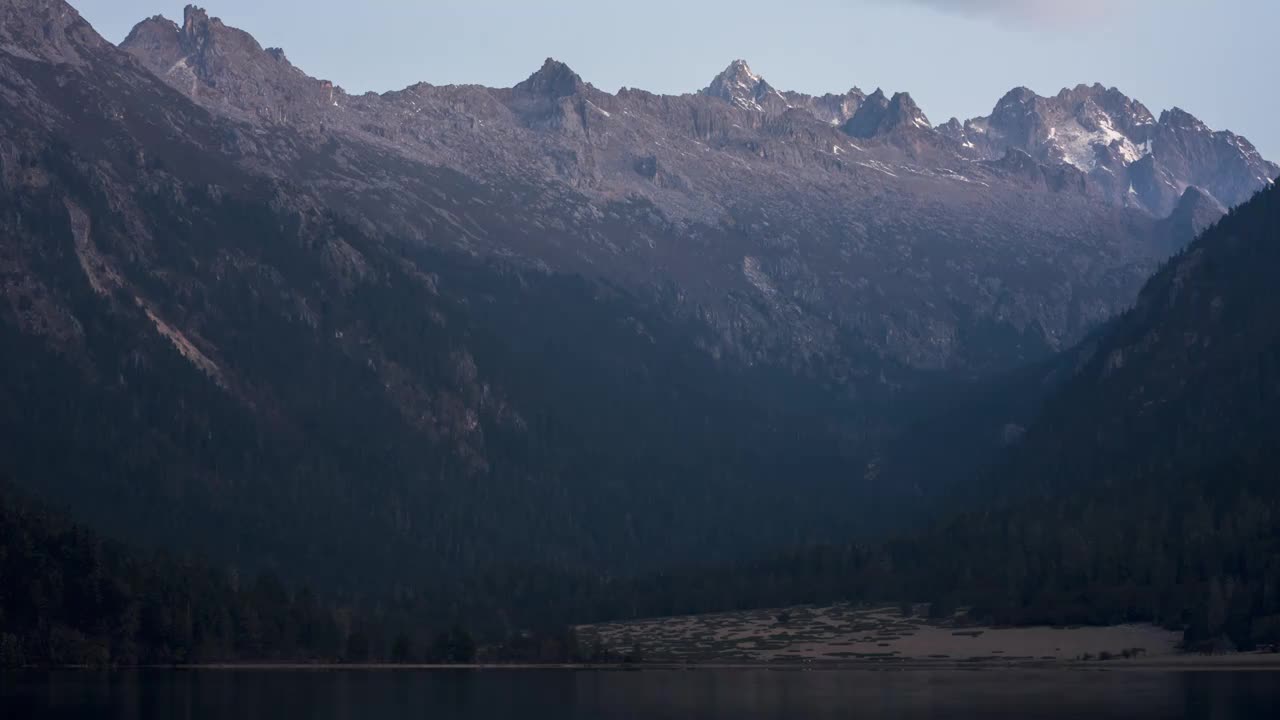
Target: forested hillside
(1187, 380)
(69, 598)
(331, 433)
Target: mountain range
(376, 340)
(804, 206)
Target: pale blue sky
(1215, 58)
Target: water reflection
(657, 695)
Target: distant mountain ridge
(741, 87)
(847, 176)
(1129, 157)
(1132, 157)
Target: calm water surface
(650, 695)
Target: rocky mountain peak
(743, 88)
(1197, 210)
(208, 46)
(1092, 128)
(736, 79)
(553, 80)
(1220, 163)
(198, 29)
(194, 18)
(953, 129)
(904, 111)
(1128, 155)
(1016, 116)
(1080, 93)
(866, 123)
(741, 69)
(1030, 121)
(832, 108)
(881, 115)
(1178, 118)
(154, 26)
(1130, 116)
(1018, 100)
(157, 39)
(48, 30)
(225, 66)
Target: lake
(647, 695)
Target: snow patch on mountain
(1075, 145)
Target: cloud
(1025, 12)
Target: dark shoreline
(1269, 662)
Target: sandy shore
(844, 637)
(842, 633)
